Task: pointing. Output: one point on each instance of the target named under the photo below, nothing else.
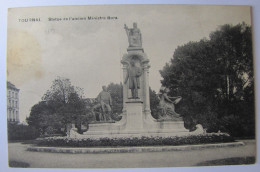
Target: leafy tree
(62, 104)
(60, 92)
(215, 79)
(43, 116)
(236, 92)
(154, 103)
(116, 91)
(77, 108)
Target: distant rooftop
(11, 86)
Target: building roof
(11, 86)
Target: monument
(136, 114)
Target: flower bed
(135, 141)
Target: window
(12, 94)
(16, 95)
(12, 103)
(9, 93)
(16, 104)
(11, 115)
(16, 115)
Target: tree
(76, 107)
(154, 103)
(60, 91)
(43, 116)
(116, 91)
(61, 105)
(214, 78)
(21, 132)
(190, 75)
(233, 50)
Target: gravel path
(17, 152)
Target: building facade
(12, 102)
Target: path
(17, 152)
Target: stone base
(129, 49)
(105, 127)
(137, 123)
(163, 130)
(134, 117)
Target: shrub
(135, 141)
(21, 132)
(18, 164)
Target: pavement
(175, 158)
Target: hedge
(135, 141)
(21, 132)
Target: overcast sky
(88, 52)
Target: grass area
(18, 164)
(245, 138)
(22, 141)
(229, 161)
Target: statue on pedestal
(167, 105)
(133, 74)
(134, 36)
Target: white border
(5, 4)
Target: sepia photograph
(130, 86)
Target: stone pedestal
(134, 117)
(136, 123)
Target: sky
(88, 52)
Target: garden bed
(135, 141)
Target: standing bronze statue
(134, 36)
(133, 74)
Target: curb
(131, 149)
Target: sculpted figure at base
(167, 105)
(134, 36)
(133, 74)
(199, 129)
(105, 103)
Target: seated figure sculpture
(167, 105)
